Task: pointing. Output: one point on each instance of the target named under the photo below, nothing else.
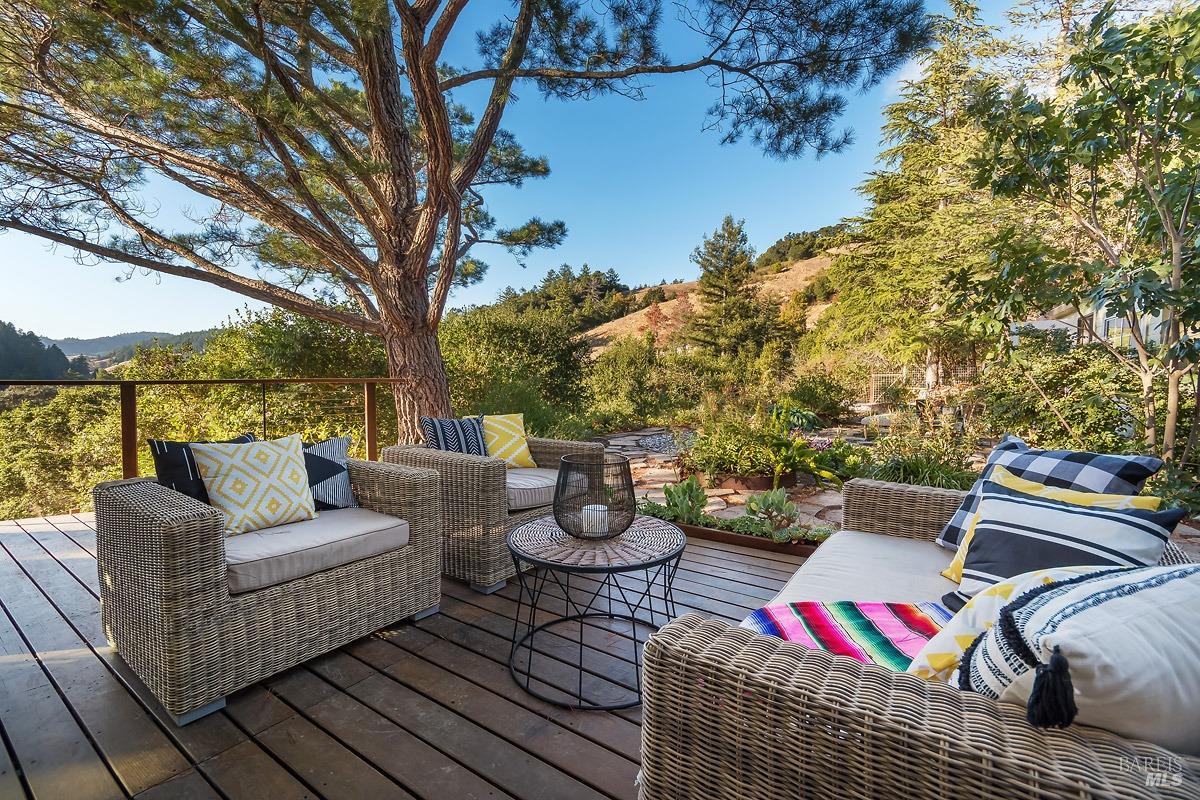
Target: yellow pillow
(1009, 481)
(256, 485)
(504, 436)
(941, 655)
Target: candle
(595, 518)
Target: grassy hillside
(780, 285)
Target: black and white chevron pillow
(454, 435)
(328, 474)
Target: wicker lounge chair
(169, 598)
(729, 714)
(477, 508)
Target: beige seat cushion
(530, 487)
(286, 552)
(867, 567)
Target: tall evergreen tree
(925, 220)
(733, 319)
(23, 356)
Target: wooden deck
(424, 710)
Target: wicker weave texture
(646, 541)
(475, 504)
(732, 715)
(898, 509)
(167, 609)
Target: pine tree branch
(248, 287)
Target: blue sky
(637, 183)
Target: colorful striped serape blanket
(887, 634)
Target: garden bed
(803, 549)
(746, 483)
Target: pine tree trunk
(415, 357)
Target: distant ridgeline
(24, 356)
(122, 346)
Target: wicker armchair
(475, 506)
(733, 715)
(165, 595)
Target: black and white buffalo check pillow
(454, 435)
(1105, 473)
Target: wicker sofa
(196, 622)
(481, 503)
(732, 715)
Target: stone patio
(652, 455)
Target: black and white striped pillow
(1103, 473)
(328, 474)
(175, 466)
(1019, 533)
(454, 435)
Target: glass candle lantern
(594, 496)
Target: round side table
(605, 601)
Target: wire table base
(597, 598)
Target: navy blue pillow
(454, 435)
(175, 466)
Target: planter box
(801, 549)
(746, 483)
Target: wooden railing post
(129, 433)
(369, 422)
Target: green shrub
(925, 461)
(761, 445)
(1179, 487)
(819, 391)
(844, 460)
(774, 509)
(1056, 395)
(686, 501)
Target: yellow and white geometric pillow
(1025, 486)
(256, 485)
(941, 655)
(504, 436)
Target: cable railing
(272, 411)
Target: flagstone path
(652, 452)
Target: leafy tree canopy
(1110, 160)
(328, 153)
(925, 217)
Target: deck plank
(422, 769)
(190, 785)
(10, 782)
(426, 710)
(246, 772)
(505, 764)
(55, 755)
(543, 737)
(608, 730)
(136, 749)
(327, 766)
